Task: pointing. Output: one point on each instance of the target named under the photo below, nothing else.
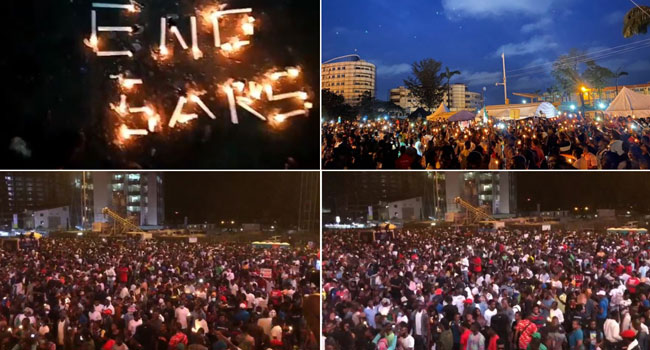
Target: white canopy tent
(628, 102)
(521, 111)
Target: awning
(522, 111)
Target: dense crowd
(455, 290)
(118, 294)
(564, 142)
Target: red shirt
(492, 345)
(619, 269)
(527, 328)
(477, 264)
(123, 274)
(464, 338)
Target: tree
(619, 73)
(447, 74)
(597, 76)
(551, 93)
(367, 104)
(636, 21)
(334, 106)
(565, 72)
(426, 83)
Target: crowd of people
(117, 293)
(449, 289)
(569, 141)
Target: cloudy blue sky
(469, 35)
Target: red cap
(468, 301)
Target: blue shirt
(370, 316)
(604, 304)
(574, 337)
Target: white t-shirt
(408, 342)
(133, 325)
(181, 316)
(488, 316)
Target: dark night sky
(604, 190)
(469, 35)
(242, 196)
(553, 190)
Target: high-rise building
(350, 77)
(494, 190)
(138, 196)
(403, 98)
(461, 99)
(21, 191)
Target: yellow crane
(473, 214)
(120, 224)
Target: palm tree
(447, 74)
(619, 73)
(549, 92)
(636, 21)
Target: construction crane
(120, 224)
(473, 214)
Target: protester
(564, 142)
(118, 294)
(486, 289)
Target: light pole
(505, 83)
(483, 96)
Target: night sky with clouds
(469, 35)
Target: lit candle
(195, 48)
(128, 7)
(114, 53)
(215, 26)
(152, 122)
(297, 94)
(163, 32)
(231, 103)
(115, 29)
(126, 133)
(283, 116)
(93, 23)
